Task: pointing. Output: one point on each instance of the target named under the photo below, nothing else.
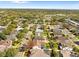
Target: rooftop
(38, 53)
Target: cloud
(19, 2)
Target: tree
(9, 29)
(11, 52)
(15, 42)
(2, 54)
(47, 45)
(27, 53)
(6, 32)
(54, 53)
(2, 36)
(76, 49)
(55, 45)
(20, 35)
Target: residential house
(5, 44)
(38, 30)
(65, 31)
(48, 17)
(39, 41)
(66, 51)
(36, 52)
(71, 22)
(57, 30)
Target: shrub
(11, 52)
(2, 36)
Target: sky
(40, 4)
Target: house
(71, 22)
(4, 27)
(60, 15)
(38, 53)
(57, 30)
(64, 46)
(69, 34)
(19, 28)
(36, 47)
(68, 48)
(65, 31)
(57, 27)
(12, 35)
(38, 30)
(39, 41)
(50, 26)
(27, 36)
(64, 41)
(66, 51)
(48, 17)
(5, 44)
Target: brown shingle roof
(39, 53)
(5, 42)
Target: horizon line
(41, 8)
